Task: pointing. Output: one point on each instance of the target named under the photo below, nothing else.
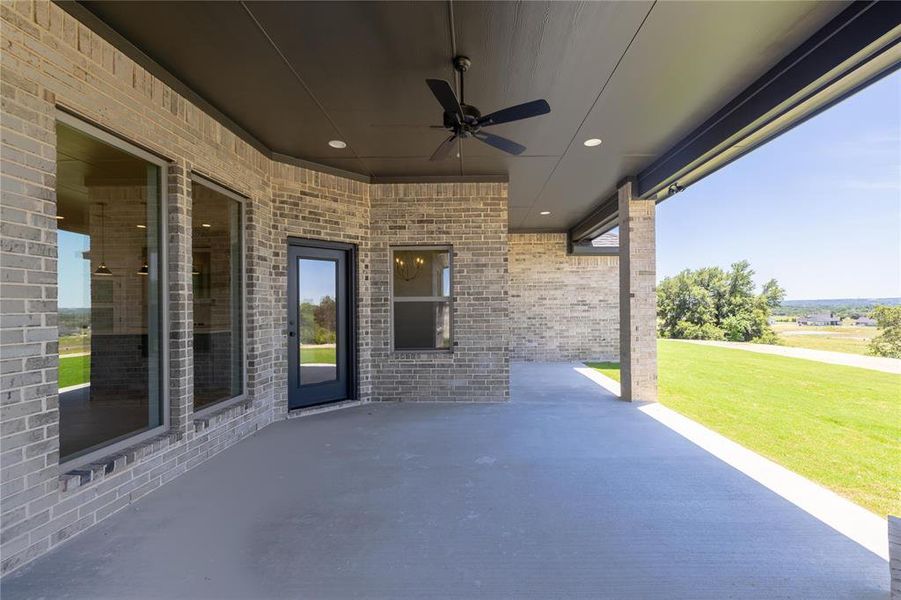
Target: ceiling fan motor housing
(462, 63)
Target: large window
(109, 206)
(422, 298)
(218, 297)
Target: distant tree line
(842, 311)
(714, 304)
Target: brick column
(181, 299)
(637, 296)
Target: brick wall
(50, 61)
(317, 206)
(562, 308)
(471, 218)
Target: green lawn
(839, 426)
(846, 338)
(74, 370)
(317, 354)
(610, 369)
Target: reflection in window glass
(423, 325)
(421, 273)
(422, 298)
(108, 220)
(218, 311)
(318, 318)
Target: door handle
(291, 334)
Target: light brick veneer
(51, 61)
(312, 205)
(638, 298)
(472, 218)
(562, 308)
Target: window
(422, 298)
(110, 277)
(218, 294)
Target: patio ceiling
(638, 75)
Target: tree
(712, 304)
(888, 341)
(772, 293)
(318, 321)
(326, 313)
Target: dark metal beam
(601, 219)
(583, 249)
(785, 85)
(857, 47)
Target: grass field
(836, 425)
(846, 338)
(74, 370)
(74, 344)
(317, 354)
(610, 369)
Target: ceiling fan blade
(444, 149)
(444, 93)
(501, 143)
(515, 113)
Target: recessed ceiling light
(141, 226)
(337, 144)
(592, 142)
(545, 212)
(205, 225)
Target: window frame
(449, 298)
(127, 441)
(219, 405)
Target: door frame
(350, 312)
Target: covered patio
(220, 216)
(562, 492)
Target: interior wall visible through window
(422, 298)
(218, 298)
(109, 278)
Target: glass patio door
(319, 329)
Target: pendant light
(102, 269)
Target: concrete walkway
(565, 492)
(874, 363)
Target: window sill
(223, 411)
(217, 407)
(78, 477)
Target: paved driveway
(565, 492)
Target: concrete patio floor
(563, 492)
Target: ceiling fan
(465, 121)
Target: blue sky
(317, 280)
(818, 208)
(74, 290)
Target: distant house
(820, 319)
(865, 322)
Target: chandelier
(408, 271)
